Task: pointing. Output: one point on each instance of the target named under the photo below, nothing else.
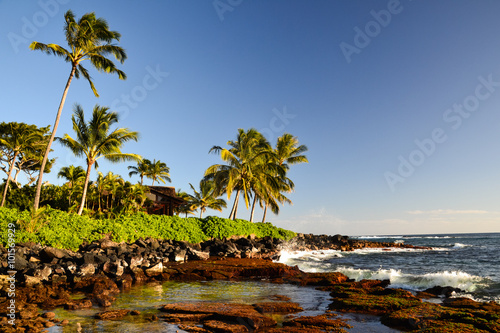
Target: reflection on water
(148, 298)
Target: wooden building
(164, 200)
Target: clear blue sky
(397, 101)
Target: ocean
(469, 262)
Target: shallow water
(148, 298)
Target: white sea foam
(461, 280)
(405, 237)
(320, 255)
(460, 245)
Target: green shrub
(68, 230)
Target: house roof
(166, 191)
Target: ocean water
(466, 261)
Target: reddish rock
(219, 326)
(233, 313)
(318, 322)
(278, 307)
(112, 314)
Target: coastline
(46, 277)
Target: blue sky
(397, 101)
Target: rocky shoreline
(46, 277)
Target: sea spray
(464, 261)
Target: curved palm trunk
(85, 186)
(232, 215)
(11, 166)
(52, 136)
(265, 212)
(253, 208)
(18, 171)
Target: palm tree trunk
(233, 210)
(236, 208)
(253, 208)
(85, 185)
(265, 212)
(11, 166)
(18, 171)
(52, 136)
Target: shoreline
(47, 276)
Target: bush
(67, 230)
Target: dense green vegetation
(67, 230)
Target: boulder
(49, 253)
(155, 270)
(86, 270)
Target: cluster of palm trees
(108, 196)
(157, 171)
(255, 170)
(21, 146)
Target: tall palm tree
(205, 198)
(239, 174)
(287, 152)
(158, 171)
(141, 169)
(88, 39)
(17, 139)
(94, 140)
(73, 176)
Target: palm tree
(205, 198)
(287, 152)
(132, 197)
(186, 207)
(141, 169)
(73, 176)
(88, 39)
(17, 139)
(94, 141)
(158, 171)
(239, 174)
(112, 184)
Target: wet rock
(155, 270)
(318, 322)
(219, 326)
(227, 312)
(49, 315)
(278, 307)
(446, 291)
(178, 255)
(112, 314)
